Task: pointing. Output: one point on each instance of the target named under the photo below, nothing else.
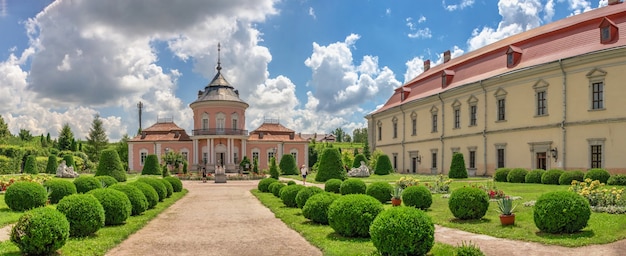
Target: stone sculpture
(362, 171)
(63, 171)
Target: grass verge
(106, 238)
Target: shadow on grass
(479, 221)
(567, 236)
(337, 237)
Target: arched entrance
(220, 155)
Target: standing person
(304, 171)
(203, 174)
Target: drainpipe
(484, 128)
(403, 134)
(563, 130)
(443, 130)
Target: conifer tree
(288, 165)
(366, 150)
(273, 168)
(4, 129)
(66, 137)
(52, 165)
(330, 166)
(97, 138)
(457, 167)
(109, 164)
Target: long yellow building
(550, 97)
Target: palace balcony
(220, 131)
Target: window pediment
(472, 100)
(456, 104)
(413, 115)
(500, 93)
(394, 120)
(434, 110)
(541, 84)
(596, 73)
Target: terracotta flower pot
(396, 201)
(506, 220)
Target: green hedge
(41, 231)
(110, 164)
(534, 176)
(380, 190)
(457, 167)
(289, 193)
(306, 193)
(117, 206)
(352, 215)
(25, 195)
(84, 212)
(59, 189)
(353, 186)
(417, 196)
(598, 174)
(567, 177)
(561, 212)
(316, 208)
(517, 175)
(551, 176)
(501, 174)
(151, 165)
(288, 165)
(333, 185)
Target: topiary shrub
(275, 188)
(468, 203)
(358, 159)
(353, 186)
(291, 182)
(137, 199)
(333, 185)
(288, 195)
(58, 189)
(501, 174)
(288, 165)
(273, 169)
(158, 186)
(41, 231)
(264, 184)
(117, 206)
(383, 165)
(52, 165)
(457, 167)
(417, 196)
(618, 180)
(566, 178)
(165, 172)
(177, 185)
(25, 195)
(30, 166)
(84, 213)
(561, 212)
(403, 231)
(380, 190)
(316, 208)
(330, 166)
(168, 188)
(106, 181)
(598, 174)
(151, 165)
(352, 215)
(534, 176)
(148, 191)
(306, 193)
(551, 176)
(517, 175)
(69, 161)
(110, 164)
(468, 249)
(86, 183)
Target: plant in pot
(396, 196)
(506, 208)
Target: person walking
(203, 174)
(304, 171)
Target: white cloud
(417, 32)
(388, 11)
(548, 11)
(421, 19)
(414, 67)
(3, 8)
(603, 3)
(579, 6)
(460, 6)
(312, 13)
(421, 33)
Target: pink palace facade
(219, 137)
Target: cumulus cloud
(421, 33)
(3, 8)
(579, 6)
(312, 13)
(548, 11)
(417, 32)
(459, 6)
(414, 67)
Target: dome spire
(219, 64)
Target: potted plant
(506, 208)
(396, 196)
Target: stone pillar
(211, 152)
(195, 151)
(130, 157)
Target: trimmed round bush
(551, 176)
(617, 180)
(561, 212)
(333, 185)
(353, 186)
(287, 165)
(25, 195)
(30, 165)
(316, 208)
(84, 213)
(41, 231)
(275, 188)
(151, 165)
(417, 196)
(356, 163)
(352, 215)
(291, 182)
(468, 203)
(501, 174)
(117, 206)
(380, 190)
(306, 193)
(403, 231)
(517, 175)
(69, 161)
(110, 164)
(148, 191)
(566, 178)
(168, 188)
(457, 167)
(288, 195)
(264, 184)
(330, 166)
(86, 183)
(106, 181)
(383, 165)
(137, 199)
(59, 189)
(598, 174)
(52, 165)
(158, 186)
(534, 176)
(177, 185)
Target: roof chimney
(426, 65)
(612, 2)
(446, 56)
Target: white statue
(63, 171)
(362, 171)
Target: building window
(205, 158)
(472, 159)
(510, 59)
(434, 123)
(395, 161)
(596, 156)
(295, 156)
(269, 156)
(434, 160)
(500, 158)
(185, 155)
(380, 130)
(143, 156)
(605, 34)
(255, 156)
(235, 158)
(541, 103)
(395, 127)
(457, 118)
(513, 56)
(597, 98)
(414, 127)
(205, 121)
(220, 121)
(608, 31)
(473, 110)
(501, 110)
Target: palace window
(235, 120)
(434, 123)
(541, 98)
(205, 121)
(255, 156)
(433, 112)
(608, 31)
(434, 159)
(142, 155)
(501, 109)
(596, 89)
(295, 156)
(473, 110)
(395, 127)
(380, 130)
(596, 152)
(270, 154)
(500, 155)
(472, 159)
(395, 161)
(457, 118)
(220, 121)
(541, 103)
(413, 124)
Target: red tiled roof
(162, 127)
(167, 131)
(279, 137)
(562, 39)
(272, 127)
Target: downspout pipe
(484, 128)
(564, 119)
(403, 135)
(443, 131)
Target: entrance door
(414, 164)
(220, 159)
(541, 160)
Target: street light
(555, 153)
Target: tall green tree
(173, 159)
(97, 138)
(339, 134)
(330, 166)
(366, 150)
(122, 150)
(359, 135)
(52, 165)
(273, 168)
(66, 137)
(151, 166)
(4, 130)
(25, 135)
(383, 165)
(109, 164)
(457, 167)
(288, 165)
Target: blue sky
(315, 65)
